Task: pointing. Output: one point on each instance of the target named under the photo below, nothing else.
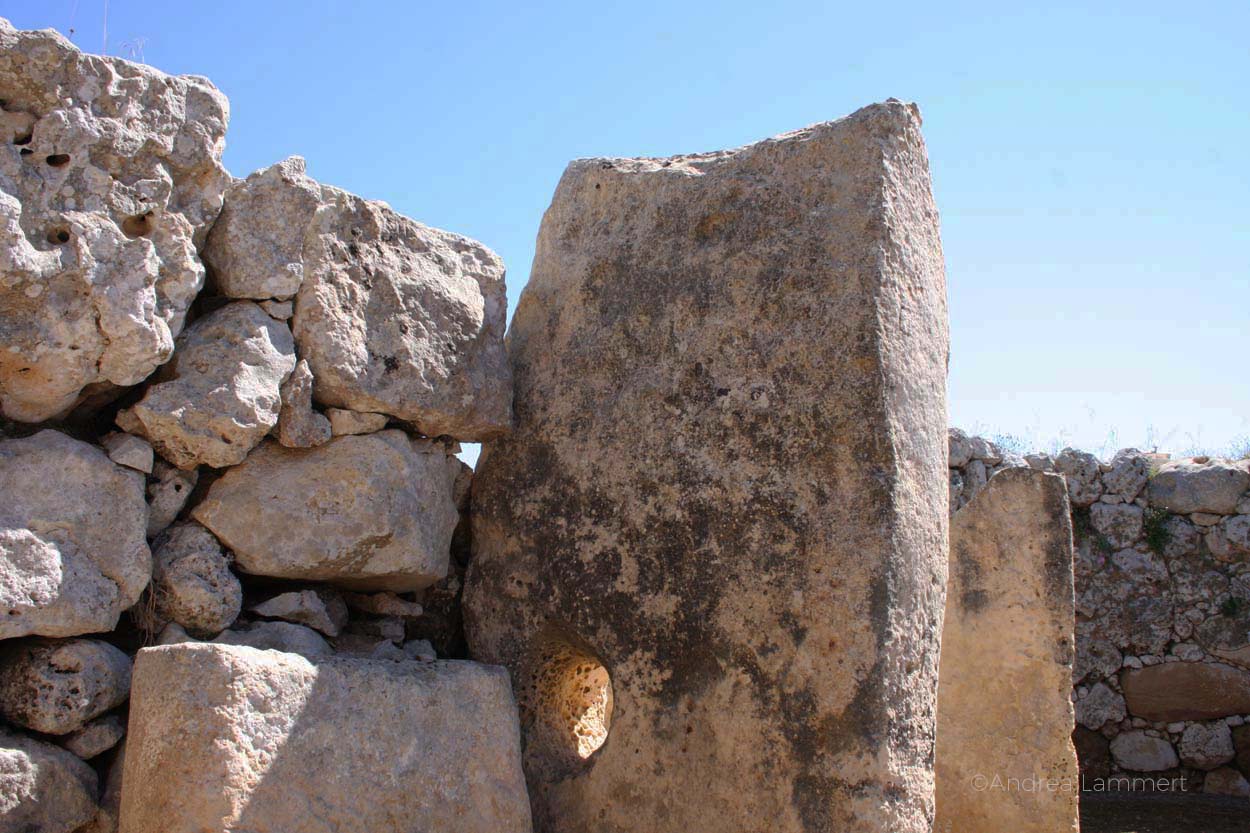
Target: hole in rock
(23, 139)
(58, 160)
(566, 701)
(57, 236)
(137, 225)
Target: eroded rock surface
(382, 505)
(1006, 667)
(109, 177)
(192, 583)
(43, 788)
(221, 393)
(56, 686)
(397, 746)
(716, 538)
(73, 554)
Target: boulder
(192, 583)
(56, 686)
(372, 512)
(299, 426)
(1206, 745)
(1100, 705)
(1137, 751)
(322, 609)
(43, 788)
(1130, 469)
(96, 737)
(128, 450)
(717, 530)
(220, 395)
(114, 181)
(278, 636)
(73, 554)
(168, 491)
(1186, 486)
(1177, 691)
(1083, 474)
(1006, 660)
(353, 422)
(339, 744)
(394, 317)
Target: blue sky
(1091, 166)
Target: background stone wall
(1161, 681)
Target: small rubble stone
(1226, 781)
(382, 604)
(420, 650)
(281, 310)
(128, 450)
(43, 788)
(959, 448)
(1130, 469)
(168, 491)
(1206, 745)
(1137, 751)
(192, 582)
(1100, 705)
(1083, 473)
(96, 737)
(56, 686)
(299, 426)
(344, 422)
(322, 609)
(278, 636)
(220, 394)
(1120, 523)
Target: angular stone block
(713, 548)
(227, 738)
(1177, 691)
(1004, 695)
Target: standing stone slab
(234, 738)
(716, 538)
(1004, 701)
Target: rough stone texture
(1006, 664)
(238, 739)
(110, 175)
(72, 550)
(393, 316)
(56, 686)
(1081, 470)
(192, 583)
(1186, 691)
(278, 636)
(256, 247)
(96, 737)
(323, 610)
(299, 426)
(1226, 781)
(382, 503)
(382, 604)
(1100, 705)
(1121, 523)
(43, 788)
(220, 395)
(722, 506)
(128, 450)
(1206, 745)
(106, 820)
(1128, 474)
(352, 422)
(168, 491)
(1137, 751)
(1186, 486)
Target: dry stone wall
(229, 413)
(1161, 682)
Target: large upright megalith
(1005, 760)
(712, 549)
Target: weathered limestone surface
(393, 316)
(43, 788)
(192, 583)
(221, 393)
(72, 550)
(230, 738)
(55, 686)
(110, 174)
(299, 426)
(1004, 696)
(371, 512)
(725, 490)
(1192, 486)
(1187, 691)
(323, 610)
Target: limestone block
(1186, 691)
(43, 788)
(1214, 486)
(712, 550)
(1006, 663)
(55, 686)
(232, 738)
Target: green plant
(1083, 529)
(1231, 606)
(1156, 531)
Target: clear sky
(1092, 167)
